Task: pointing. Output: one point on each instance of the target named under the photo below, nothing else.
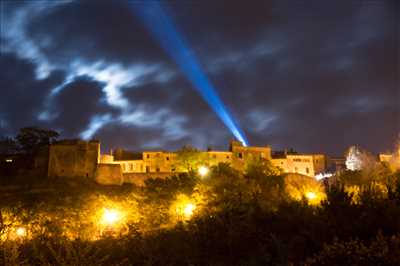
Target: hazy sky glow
(304, 74)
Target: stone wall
(73, 158)
(242, 155)
(109, 174)
(139, 179)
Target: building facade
(73, 158)
(305, 164)
(80, 158)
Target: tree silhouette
(30, 139)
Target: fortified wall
(73, 158)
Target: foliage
(30, 139)
(8, 145)
(225, 218)
(301, 187)
(381, 251)
(189, 158)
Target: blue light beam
(163, 30)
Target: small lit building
(242, 155)
(385, 157)
(305, 164)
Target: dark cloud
(21, 94)
(93, 31)
(77, 103)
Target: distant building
(243, 154)
(305, 164)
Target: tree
(262, 168)
(30, 139)
(190, 158)
(8, 145)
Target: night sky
(317, 76)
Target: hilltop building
(83, 159)
(305, 164)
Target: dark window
(227, 157)
(240, 155)
(167, 158)
(158, 169)
(215, 156)
(307, 170)
(148, 156)
(147, 169)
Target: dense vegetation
(256, 218)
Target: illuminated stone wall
(305, 164)
(106, 158)
(109, 174)
(159, 162)
(242, 155)
(73, 158)
(216, 157)
(132, 166)
(281, 163)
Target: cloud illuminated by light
(261, 119)
(96, 123)
(171, 123)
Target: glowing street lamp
(111, 216)
(188, 210)
(20, 231)
(311, 195)
(203, 171)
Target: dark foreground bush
(380, 251)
